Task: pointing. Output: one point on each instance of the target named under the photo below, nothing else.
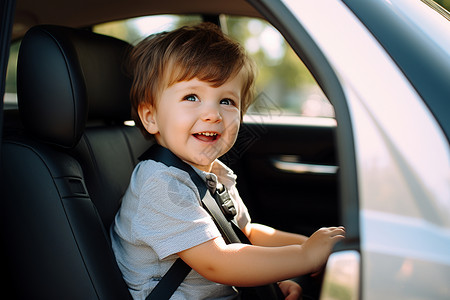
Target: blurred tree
(125, 30)
(10, 83)
(284, 83)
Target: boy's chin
(203, 163)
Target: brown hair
(189, 52)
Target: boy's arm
(262, 235)
(249, 265)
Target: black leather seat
(65, 172)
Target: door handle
(304, 168)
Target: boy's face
(196, 121)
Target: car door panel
(287, 175)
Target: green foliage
(444, 3)
(10, 84)
(283, 80)
(285, 66)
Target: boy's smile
(207, 136)
(195, 120)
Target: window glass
(134, 30)
(10, 97)
(284, 85)
(444, 3)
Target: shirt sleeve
(170, 218)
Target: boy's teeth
(207, 133)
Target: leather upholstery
(65, 171)
(66, 76)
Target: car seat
(66, 167)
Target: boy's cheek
(232, 132)
(233, 124)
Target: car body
(384, 161)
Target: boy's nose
(211, 113)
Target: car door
(392, 149)
(287, 172)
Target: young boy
(191, 87)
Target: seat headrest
(66, 76)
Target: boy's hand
(319, 245)
(290, 289)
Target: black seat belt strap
(229, 230)
(170, 281)
(179, 270)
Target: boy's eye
(191, 97)
(227, 101)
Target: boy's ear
(147, 115)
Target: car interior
(68, 151)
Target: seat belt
(221, 210)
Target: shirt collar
(219, 173)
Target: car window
(284, 85)
(10, 97)
(444, 3)
(135, 29)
